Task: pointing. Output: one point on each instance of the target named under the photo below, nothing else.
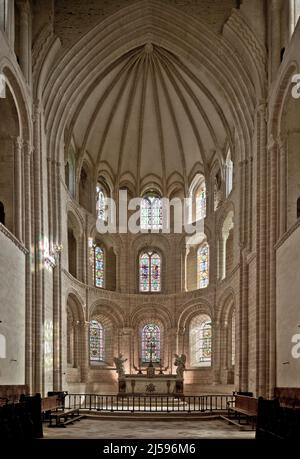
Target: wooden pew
(243, 407)
(13, 392)
(64, 418)
(288, 397)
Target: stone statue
(119, 362)
(180, 364)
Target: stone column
(291, 17)
(170, 344)
(216, 342)
(7, 20)
(261, 249)
(223, 352)
(275, 37)
(84, 357)
(125, 346)
(29, 266)
(223, 241)
(117, 255)
(244, 322)
(57, 344)
(39, 261)
(18, 188)
(282, 186)
(273, 237)
(25, 39)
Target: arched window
(151, 343)
(151, 212)
(2, 213)
(298, 208)
(70, 172)
(201, 341)
(99, 268)
(150, 272)
(96, 342)
(101, 203)
(217, 190)
(229, 173)
(203, 266)
(197, 199)
(200, 197)
(233, 339)
(70, 338)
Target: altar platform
(155, 385)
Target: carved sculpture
(119, 362)
(180, 364)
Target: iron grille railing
(154, 403)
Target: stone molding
(13, 238)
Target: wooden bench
(49, 405)
(65, 417)
(288, 397)
(13, 392)
(243, 407)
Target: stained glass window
(201, 202)
(151, 343)
(100, 203)
(96, 341)
(151, 212)
(99, 266)
(201, 341)
(203, 266)
(233, 339)
(150, 272)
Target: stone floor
(169, 429)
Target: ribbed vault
(150, 119)
(153, 102)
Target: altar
(155, 385)
(151, 381)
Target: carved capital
(272, 144)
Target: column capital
(261, 106)
(282, 144)
(272, 143)
(28, 148)
(37, 110)
(19, 143)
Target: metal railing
(153, 404)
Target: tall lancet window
(151, 212)
(229, 173)
(96, 342)
(200, 196)
(151, 343)
(203, 266)
(99, 272)
(201, 341)
(150, 272)
(233, 339)
(101, 203)
(197, 199)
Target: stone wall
(74, 18)
(12, 309)
(288, 309)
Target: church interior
(113, 108)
